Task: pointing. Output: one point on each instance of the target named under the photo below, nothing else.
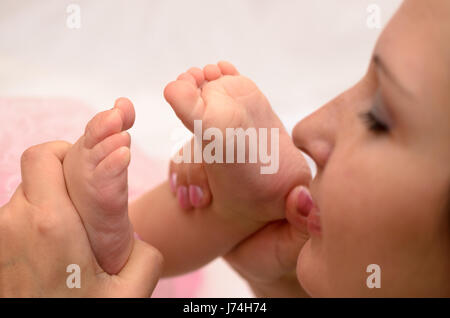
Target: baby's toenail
(304, 202)
(195, 195)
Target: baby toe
(187, 77)
(198, 75)
(212, 72)
(127, 112)
(109, 145)
(298, 206)
(103, 124)
(113, 164)
(184, 98)
(227, 68)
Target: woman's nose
(315, 135)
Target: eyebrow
(378, 61)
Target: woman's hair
(448, 200)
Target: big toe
(184, 97)
(126, 111)
(109, 122)
(298, 207)
(101, 126)
(227, 68)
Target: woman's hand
(268, 258)
(41, 234)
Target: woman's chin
(303, 265)
(311, 272)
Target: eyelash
(373, 123)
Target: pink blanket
(26, 121)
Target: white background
(300, 53)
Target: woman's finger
(178, 175)
(277, 245)
(42, 176)
(199, 193)
(141, 273)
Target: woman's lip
(313, 221)
(308, 208)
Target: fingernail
(173, 182)
(195, 195)
(304, 202)
(183, 197)
(137, 237)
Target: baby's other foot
(221, 98)
(95, 170)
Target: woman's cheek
(372, 212)
(353, 227)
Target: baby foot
(222, 98)
(95, 170)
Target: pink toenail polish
(183, 197)
(195, 195)
(173, 182)
(137, 236)
(304, 202)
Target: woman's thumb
(142, 271)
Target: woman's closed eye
(377, 119)
(373, 123)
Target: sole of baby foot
(95, 169)
(224, 99)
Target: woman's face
(383, 177)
